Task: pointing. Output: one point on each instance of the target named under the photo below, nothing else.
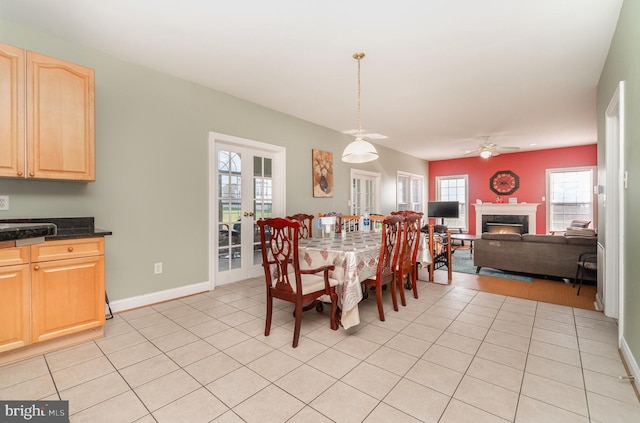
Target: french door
(365, 192)
(247, 184)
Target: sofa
(545, 255)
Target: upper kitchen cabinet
(12, 93)
(56, 100)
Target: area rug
(462, 263)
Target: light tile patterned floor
(454, 355)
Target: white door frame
(613, 204)
(353, 203)
(279, 186)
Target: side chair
(284, 278)
(587, 262)
(350, 223)
(306, 224)
(386, 270)
(441, 252)
(408, 262)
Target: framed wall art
(322, 163)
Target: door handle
(248, 214)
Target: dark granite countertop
(19, 231)
(67, 227)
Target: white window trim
(594, 201)
(466, 194)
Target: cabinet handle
(36, 267)
(32, 174)
(70, 249)
(19, 173)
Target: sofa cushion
(502, 237)
(547, 239)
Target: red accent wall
(530, 166)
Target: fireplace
(508, 211)
(504, 228)
(505, 223)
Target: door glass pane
(356, 205)
(223, 259)
(262, 199)
(267, 168)
(229, 209)
(257, 166)
(235, 256)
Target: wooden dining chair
(306, 224)
(284, 278)
(376, 221)
(386, 270)
(350, 223)
(346, 222)
(408, 261)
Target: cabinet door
(15, 298)
(11, 111)
(67, 296)
(60, 119)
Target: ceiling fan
(487, 150)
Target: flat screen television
(443, 209)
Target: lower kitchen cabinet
(15, 298)
(67, 297)
(58, 290)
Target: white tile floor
(454, 355)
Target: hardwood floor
(549, 291)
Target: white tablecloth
(355, 257)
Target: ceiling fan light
(485, 154)
(359, 151)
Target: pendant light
(359, 151)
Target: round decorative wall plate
(504, 182)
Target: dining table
(355, 256)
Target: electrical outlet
(4, 202)
(157, 268)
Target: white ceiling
(439, 76)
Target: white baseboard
(630, 360)
(157, 297)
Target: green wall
(151, 188)
(623, 64)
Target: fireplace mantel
(528, 209)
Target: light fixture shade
(485, 154)
(359, 151)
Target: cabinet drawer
(66, 249)
(13, 256)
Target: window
(409, 192)
(454, 188)
(570, 196)
(365, 192)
